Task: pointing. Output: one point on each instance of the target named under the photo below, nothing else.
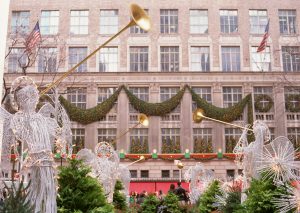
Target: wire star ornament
(278, 161)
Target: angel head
(25, 94)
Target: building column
(280, 115)
(122, 125)
(218, 130)
(91, 129)
(154, 122)
(186, 141)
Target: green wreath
(289, 104)
(259, 105)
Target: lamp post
(180, 166)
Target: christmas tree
(119, 199)
(79, 192)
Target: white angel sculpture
(199, 178)
(38, 131)
(105, 167)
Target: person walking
(181, 193)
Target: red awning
(152, 187)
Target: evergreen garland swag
(87, 116)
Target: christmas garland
(87, 116)
(155, 109)
(289, 104)
(224, 114)
(259, 105)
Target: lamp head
(143, 119)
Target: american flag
(34, 38)
(263, 43)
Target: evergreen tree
(150, 204)
(78, 192)
(16, 202)
(171, 203)
(208, 198)
(119, 199)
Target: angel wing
(63, 121)
(8, 140)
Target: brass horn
(198, 116)
(142, 119)
(139, 17)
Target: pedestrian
(172, 188)
(160, 195)
(181, 193)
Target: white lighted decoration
(290, 201)
(39, 130)
(105, 167)
(199, 178)
(278, 161)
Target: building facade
(211, 47)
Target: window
(170, 138)
(109, 22)
(133, 173)
(136, 29)
(17, 59)
(200, 59)
(165, 94)
(141, 93)
(103, 94)
(144, 173)
(291, 59)
(231, 96)
(165, 173)
(261, 61)
(176, 173)
(20, 22)
(79, 22)
(108, 59)
(232, 136)
(49, 22)
(229, 21)
(287, 21)
(231, 59)
(204, 93)
(169, 21)
(169, 59)
(139, 141)
(77, 54)
(77, 96)
(291, 98)
(230, 173)
(78, 139)
(108, 135)
(47, 60)
(293, 133)
(202, 140)
(198, 21)
(138, 59)
(258, 21)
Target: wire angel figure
(199, 178)
(38, 131)
(105, 167)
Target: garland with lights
(290, 106)
(259, 105)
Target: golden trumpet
(139, 17)
(198, 116)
